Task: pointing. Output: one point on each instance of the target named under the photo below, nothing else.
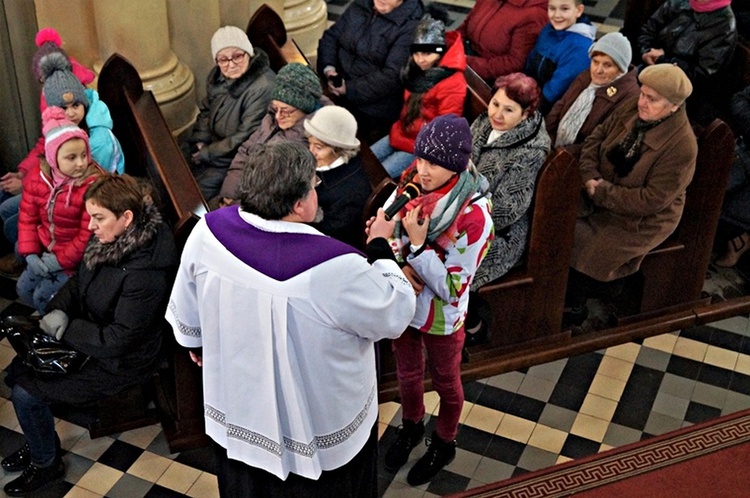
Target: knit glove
(50, 260)
(36, 265)
(54, 323)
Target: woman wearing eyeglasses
(296, 95)
(238, 90)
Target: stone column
(305, 21)
(139, 30)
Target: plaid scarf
(625, 155)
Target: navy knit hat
(298, 86)
(445, 141)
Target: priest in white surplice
(285, 319)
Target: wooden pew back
(666, 281)
(151, 151)
(478, 95)
(528, 301)
(267, 31)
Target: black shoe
(439, 454)
(17, 461)
(574, 317)
(409, 435)
(478, 337)
(34, 478)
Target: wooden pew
(478, 95)
(527, 303)
(151, 151)
(267, 31)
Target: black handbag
(42, 353)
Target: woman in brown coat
(635, 168)
(594, 94)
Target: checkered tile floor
(511, 424)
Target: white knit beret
(333, 125)
(230, 36)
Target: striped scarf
(443, 205)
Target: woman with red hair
(510, 144)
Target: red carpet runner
(707, 459)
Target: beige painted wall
(20, 126)
(190, 25)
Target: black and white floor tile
(512, 423)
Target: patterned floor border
(625, 462)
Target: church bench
(267, 31)
(673, 273)
(478, 95)
(152, 152)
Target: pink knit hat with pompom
(58, 129)
(52, 37)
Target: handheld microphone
(411, 190)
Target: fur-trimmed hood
(142, 245)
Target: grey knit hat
(297, 85)
(429, 36)
(230, 36)
(61, 87)
(445, 141)
(617, 47)
(334, 126)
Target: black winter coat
(232, 110)
(342, 194)
(116, 310)
(700, 43)
(369, 50)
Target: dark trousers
(625, 293)
(356, 479)
(38, 425)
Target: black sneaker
(34, 478)
(409, 436)
(439, 454)
(17, 461)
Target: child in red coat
(53, 223)
(435, 86)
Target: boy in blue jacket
(561, 50)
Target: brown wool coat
(632, 215)
(606, 100)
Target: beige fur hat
(669, 81)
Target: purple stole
(278, 255)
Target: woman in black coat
(344, 188)
(111, 310)
(361, 57)
(699, 36)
